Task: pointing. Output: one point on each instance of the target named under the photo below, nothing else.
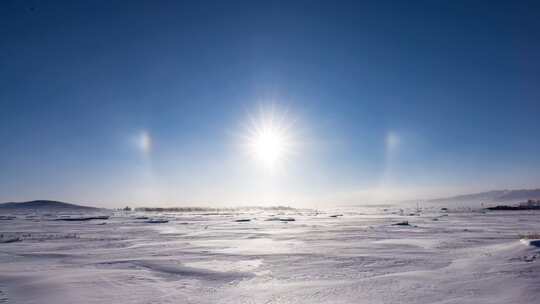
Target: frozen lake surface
(457, 256)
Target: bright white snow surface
(457, 256)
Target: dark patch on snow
(281, 219)
(535, 243)
(83, 218)
(156, 221)
(287, 219)
(10, 240)
(404, 223)
(3, 297)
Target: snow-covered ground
(458, 256)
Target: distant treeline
(528, 205)
(213, 210)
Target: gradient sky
(149, 102)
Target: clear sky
(167, 102)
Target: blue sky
(150, 102)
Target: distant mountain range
(496, 196)
(489, 197)
(43, 204)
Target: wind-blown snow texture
(360, 257)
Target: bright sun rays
(269, 145)
(269, 139)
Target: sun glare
(269, 140)
(269, 146)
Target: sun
(269, 146)
(269, 140)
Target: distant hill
(497, 196)
(43, 205)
